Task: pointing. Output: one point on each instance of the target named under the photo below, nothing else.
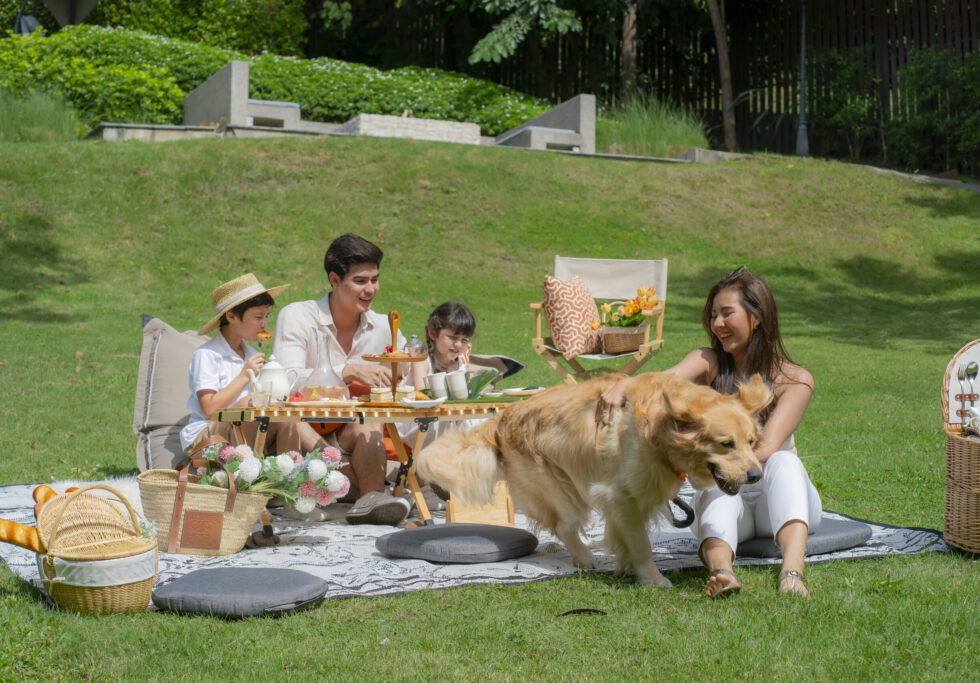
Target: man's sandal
(796, 583)
(726, 591)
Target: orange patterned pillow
(572, 316)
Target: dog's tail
(463, 461)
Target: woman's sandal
(727, 591)
(796, 585)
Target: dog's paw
(651, 576)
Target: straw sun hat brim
(240, 297)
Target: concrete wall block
(223, 98)
(576, 114)
(379, 125)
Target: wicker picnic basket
(961, 526)
(96, 559)
(195, 519)
(621, 339)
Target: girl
(447, 336)
(740, 319)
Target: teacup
(437, 384)
(457, 384)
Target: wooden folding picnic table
(388, 414)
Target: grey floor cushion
(241, 592)
(458, 543)
(831, 535)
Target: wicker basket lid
(951, 385)
(84, 526)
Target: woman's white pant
(784, 494)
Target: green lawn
(877, 285)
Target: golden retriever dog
(563, 453)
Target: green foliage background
(121, 75)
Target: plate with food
(420, 403)
(522, 391)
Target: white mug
(457, 384)
(437, 384)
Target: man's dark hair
(263, 299)
(347, 250)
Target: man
(332, 334)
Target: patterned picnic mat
(345, 555)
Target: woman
(740, 318)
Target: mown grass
(872, 275)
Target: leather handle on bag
(182, 491)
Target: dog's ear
(755, 394)
(683, 415)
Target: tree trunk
(628, 54)
(725, 72)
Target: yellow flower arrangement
(629, 313)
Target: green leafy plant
(129, 76)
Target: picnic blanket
(345, 555)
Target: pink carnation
(225, 453)
(342, 491)
(324, 497)
(307, 489)
(296, 456)
(330, 454)
(201, 471)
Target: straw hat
(235, 292)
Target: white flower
(285, 464)
(243, 453)
(316, 469)
(335, 481)
(305, 505)
(249, 470)
(220, 478)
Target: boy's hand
(254, 364)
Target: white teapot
(273, 382)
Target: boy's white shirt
(213, 366)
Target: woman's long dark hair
(765, 353)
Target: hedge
(128, 76)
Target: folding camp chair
(615, 279)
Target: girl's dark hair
(263, 299)
(452, 315)
(347, 250)
(765, 353)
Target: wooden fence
(675, 52)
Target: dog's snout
(753, 476)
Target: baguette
(20, 534)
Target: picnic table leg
(413, 482)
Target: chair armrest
(537, 307)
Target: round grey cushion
(831, 535)
(458, 543)
(241, 592)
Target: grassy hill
(876, 281)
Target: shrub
(37, 117)
(845, 115)
(251, 26)
(97, 91)
(128, 76)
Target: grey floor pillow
(241, 592)
(830, 536)
(458, 543)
